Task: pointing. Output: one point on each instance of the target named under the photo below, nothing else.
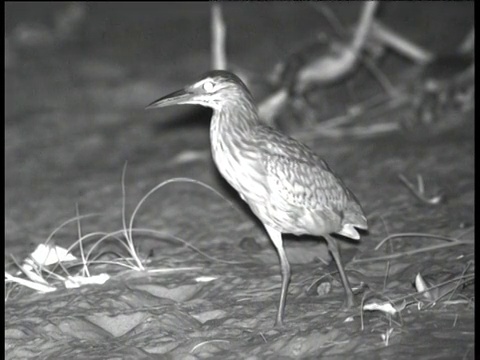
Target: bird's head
(215, 89)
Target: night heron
(287, 186)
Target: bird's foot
(279, 324)
(349, 304)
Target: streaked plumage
(287, 186)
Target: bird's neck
(233, 121)
(232, 138)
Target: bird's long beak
(177, 97)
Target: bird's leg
(333, 248)
(276, 238)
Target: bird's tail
(353, 217)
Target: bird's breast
(239, 163)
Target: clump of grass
(40, 276)
(426, 295)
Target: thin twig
(422, 235)
(207, 342)
(412, 252)
(382, 79)
(269, 108)
(359, 131)
(420, 192)
(330, 16)
(458, 284)
(388, 37)
(364, 25)
(82, 253)
(219, 35)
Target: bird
(287, 186)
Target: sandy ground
(73, 117)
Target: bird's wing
(271, 141)
(303, 185)
(299, 177)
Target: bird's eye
(208, 86)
